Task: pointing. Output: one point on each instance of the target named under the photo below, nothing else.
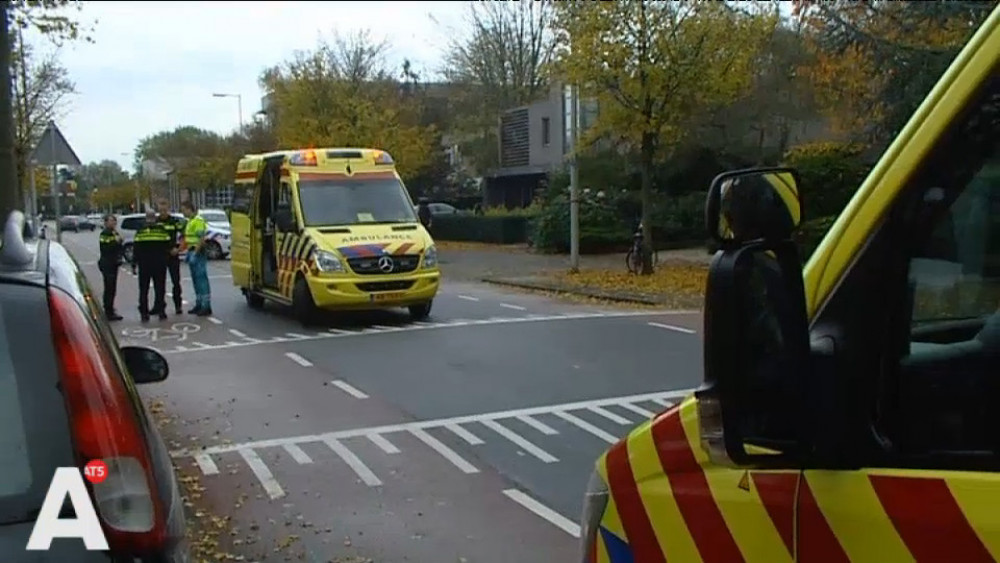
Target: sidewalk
(677, 283)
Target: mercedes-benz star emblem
(386, 264)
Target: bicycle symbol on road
(176, 331)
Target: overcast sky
(155, 65)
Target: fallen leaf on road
(451, 245)
(683, 282)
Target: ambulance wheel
(254, 300)
(303, 306)
(421, 311)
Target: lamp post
(239, 104)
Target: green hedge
(478, 228)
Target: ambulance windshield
(353, 201)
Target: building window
(546, 132)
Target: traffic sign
(53, 148)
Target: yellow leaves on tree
(655, 67)
(340, 95)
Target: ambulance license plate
(387, 296)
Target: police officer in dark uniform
(174, 228)
(111, 257)
(151, 249)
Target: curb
(596, 294)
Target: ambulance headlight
(431, 257)
(595, 502)
(327, 261)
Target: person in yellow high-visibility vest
(196, 258)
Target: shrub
(830, 173)
(477, 228)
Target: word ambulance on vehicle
(850, 410)
(329, 229)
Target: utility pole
(10, 192)
(574, 180)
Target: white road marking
(537, 425)
(560, 521)
(514, 307)
(337, 331)
(610, 415)
(446, 452)
(637, 410)
(182, 348)
(520, 442)
(214, 320)
(297, 454)
(385, 445)
(206, 464)
(664, 402)
(237, 333)
(464, 434)
(427, 326)
(673, 328)
(354, 462)
(586, 426)
(349, 389)
(298, 359)
(263, 474)
(437, 423)
(468, 297)
(387, 328)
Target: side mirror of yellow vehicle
(756, 328)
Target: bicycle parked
(633, 258)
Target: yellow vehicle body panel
(355, 243)
(668, 502)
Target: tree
(200, 159)
(49, 18)
(40, 89)
(97, 175)
(502, 64)
(654, 68)
(876, 61)
(342, 94)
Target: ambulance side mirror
(756, 337)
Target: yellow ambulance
(329, 229)
(850, 409)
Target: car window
(34, 430)
(215, 217)
(131, 224)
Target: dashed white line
(297, 454)
(538, 425)
(464, 434)
(383, 444)
(354, 462)
(349, 389)
(560, 521)
(206, 464)
(201, 345)
(520, 442)
(337, 331)
(298, 359)
(468, 297)
(386, 328)
(237, 333)
(637, 410)
(296, 335)
(610, 415)
(662, 401)
(673, 328)
(514, 307)
(586, 426)
(446, 452)
(263, 474)
(436, 423)
(214, 320)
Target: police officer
(152, 248)
(111, 256)
(173, 227)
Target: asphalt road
(468, 437)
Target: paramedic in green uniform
(194, 241)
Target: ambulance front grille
(395, 285)
(370, 264)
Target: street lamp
(239, 104)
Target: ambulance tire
(254, 300)
(421, 311)
(303, 306)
